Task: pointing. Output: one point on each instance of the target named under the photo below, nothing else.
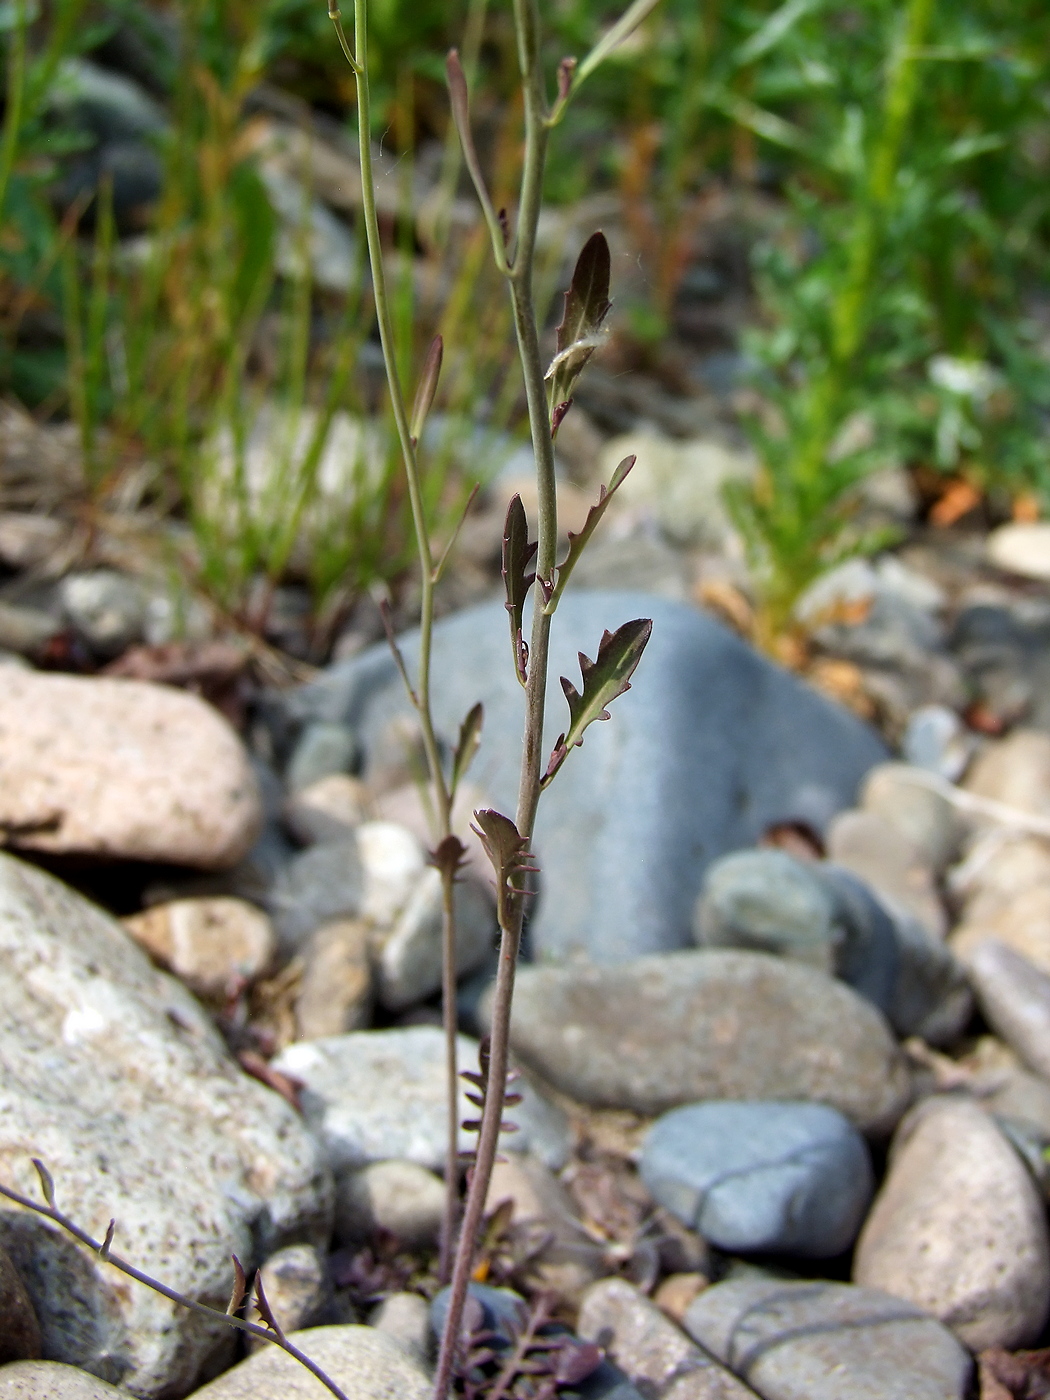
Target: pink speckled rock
(122, 768)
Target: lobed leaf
(604, 678)
(586, 307)
(517, 555)
(509, 853)
(577, 543)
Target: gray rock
(650, 1349)
(825, 916)
(828, 1341)
(936, 739)
(1015, 998)
(792, 1178)
(375, 1095)
(26, 631)
(406, 1318)
(296, 1286)
(768, 902)
(323, 749)
(959, 1228)
(106, 608)
(400, 1197)
(408, 965)
(662, 1031)
(317, 886)
(20, 1333)
(111, 1072)
(52, 1380)
(710, 746)
(365, 1363)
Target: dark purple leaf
(517, 555)
(604, 679)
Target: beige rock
(28, 539)
(406, 1318)
(296, 1287)
(405, 805)
(958, 1228)
(392, 863)
(211, 944)
(327, 810)
(657, 1356)
(926, 819)
(1015, 770)
(365, 1363)
(19, 1329)
(882, 856)
(570, 1260)
(1021, 921)
(335, 990)
(114, 1076)
(1015, 999)
(401, 1197)
(1022, 548)
(122, 768)
(52, 1380)
(999, 865)
(677, 1291)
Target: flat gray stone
(712, 744)
(827, 1341)
(792, 1178)
(676, 1028)
(657, 1356)
(113, 1075)
(371, 1096)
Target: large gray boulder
(112, 1074)
(712, 744)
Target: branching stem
(101, 1248)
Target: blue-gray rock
(827, 1341)
(323, 748)
(712, 744)
(316, 886)
(792, 1178)
(677, 1028)
(823, 915)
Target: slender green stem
(16, 79)
(358, 59)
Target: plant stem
(238, 1323)
(358, 59)
(536, 137)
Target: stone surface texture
(327, 810)
(958, 1228)
(659, 1032)
(876, 850)
(112, 1075)
(52, 1380)
(335, 993)
(366, 1363)
(408, 961)
(122, 768)
(828, 1341)
(296, 1286)
(654, 795)
(657, 1356)
(1015, 998)
(211, 944)
(773, 1177)
(371, 1096)
(402, 1198)
(926, 819)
